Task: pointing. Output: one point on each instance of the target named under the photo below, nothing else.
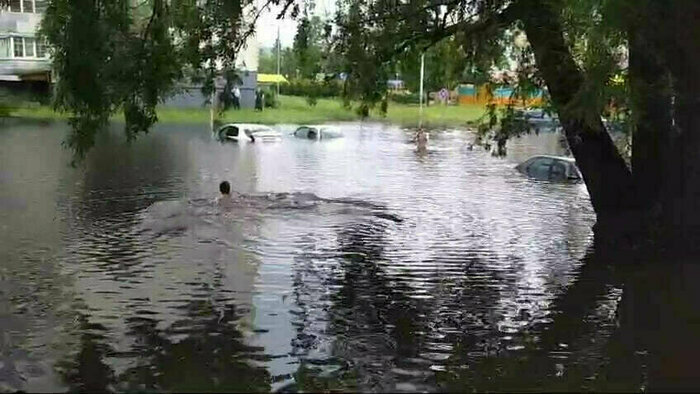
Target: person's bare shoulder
(225, 202)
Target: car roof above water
(255, 126)
(562, 158)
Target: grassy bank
(295, 110)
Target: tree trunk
(604, 171)
(683, 54)
(651, 101)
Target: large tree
(267, 62)
(309, 46)
(574, 48)
(445, 66)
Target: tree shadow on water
(210, 356)
(388, 322)
(87, 371)
(375, 323)
(625, 324)
(372, 322)
(203, 353)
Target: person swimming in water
(225, 199)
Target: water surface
(357, 263)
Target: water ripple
(355, 264)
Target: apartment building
(23, 57)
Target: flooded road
(356, 264)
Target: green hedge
(271, 100)
(412, 98)
(313, 89)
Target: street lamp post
(279, 48)
(422, 72)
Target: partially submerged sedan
(550, 168)
(317, 132)
(247, 132)
(539, 119)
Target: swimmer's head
(225, 187)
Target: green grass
(295, 110)
(433, 116)
(39, 112)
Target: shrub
(309, 88)
(311, 101)
(271, 99)
(411, 98)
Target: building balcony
(25, 69)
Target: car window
(558, 171)
(231, 131)
(301, 131)
(535, 113)
(539, 168)
(312, 133)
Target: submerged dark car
(538, 118)
(550, 168)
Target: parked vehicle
(317, 132)
(247, 133)
(550, 168)
(538, 118)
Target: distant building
(395, 84)
(502, 95)
(22, 56)
(25, 65)
(190, 95)
(247, 68)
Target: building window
(40, 48)
(19, 46)
(40, 6)
(28, 6)
(15, 5)
(5, 47)
(28, 47)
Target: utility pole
(279, 49)
(211, 109)
(422, 72)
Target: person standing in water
(421, 139)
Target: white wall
(12, 22)
(248, 56)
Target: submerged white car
(246, 133)
(317, 132)
(550, 168)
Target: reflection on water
(351, 264)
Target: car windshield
(558, 170)
(539, 168)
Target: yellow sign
(271, 78)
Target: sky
(266, 30)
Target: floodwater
(349, 264)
